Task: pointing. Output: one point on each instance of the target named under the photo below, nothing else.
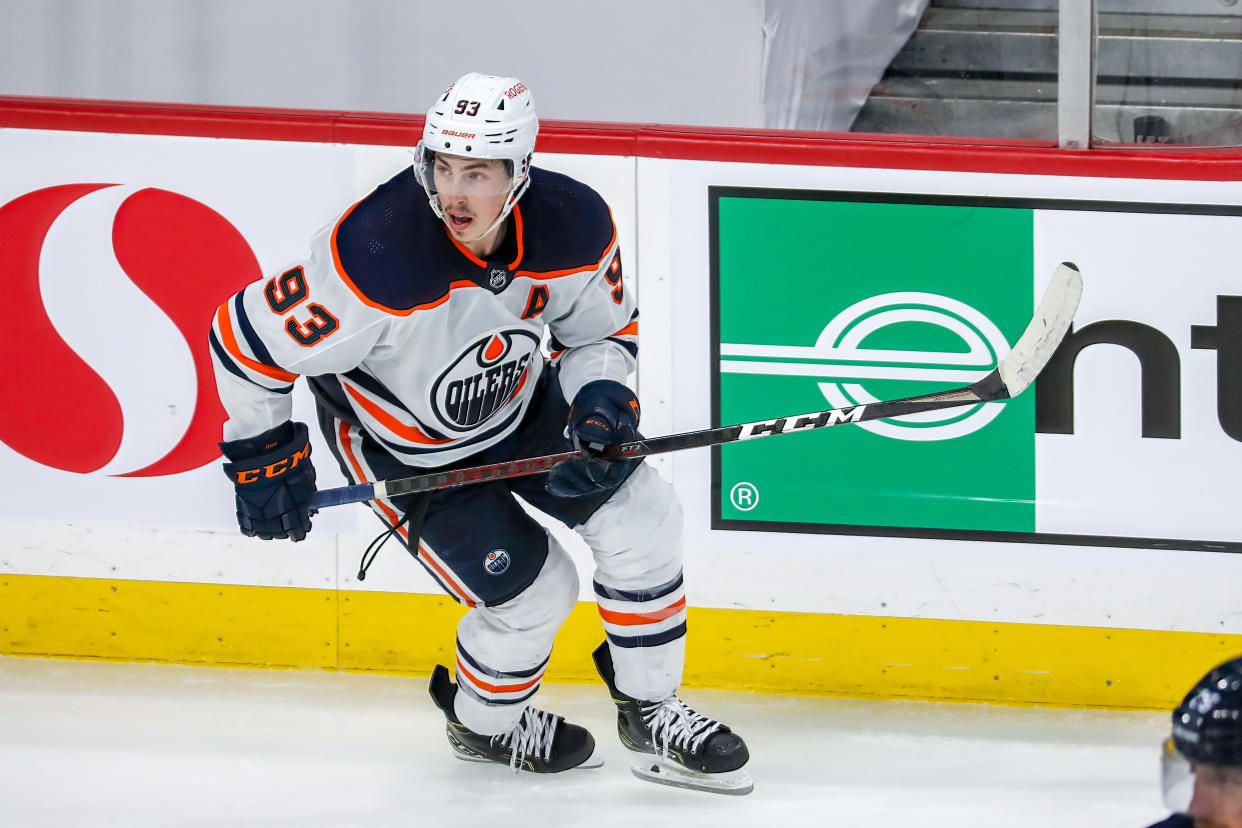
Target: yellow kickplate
(804, 653)
(163, 621)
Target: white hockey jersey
(432, 351)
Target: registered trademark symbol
(744, 497)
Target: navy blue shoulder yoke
(394, 249)
(397, 253)
(565, 224)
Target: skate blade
(590, 763)
(732, 783)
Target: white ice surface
(88, 744)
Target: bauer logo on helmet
(506, 107)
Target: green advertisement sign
(826, 299)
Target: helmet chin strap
(503, 215)
(514, 194)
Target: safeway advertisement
(115, 253)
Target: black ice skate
(682, 747)
(540, 742)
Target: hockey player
(1201, 768)
(417, 320)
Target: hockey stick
(1009, 379)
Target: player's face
(472, 193)
(1217, 798)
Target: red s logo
(57, 409)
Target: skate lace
(531, 736)
(673, 722)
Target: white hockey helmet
(480, 116)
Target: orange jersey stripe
(343, 432)
(495, 688)
(465, 251)
(631, 619)
(361, 477)
(411, 433)
(553, 274)
(230, 344)
(392, 519)
(366, 300)
(629, 330)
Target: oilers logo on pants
(496, 562)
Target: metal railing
(1081, 73)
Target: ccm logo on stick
(823, 419)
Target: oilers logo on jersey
(483, 379)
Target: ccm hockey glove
(603, 413)
(275, 480)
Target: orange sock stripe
(630, 619)
(495, 688)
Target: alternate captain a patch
(536, 301)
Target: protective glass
(451, 176)
(1177, 778)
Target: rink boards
(1077, 546)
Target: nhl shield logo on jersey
(483, 378)
(498, 279)
(496, 562)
